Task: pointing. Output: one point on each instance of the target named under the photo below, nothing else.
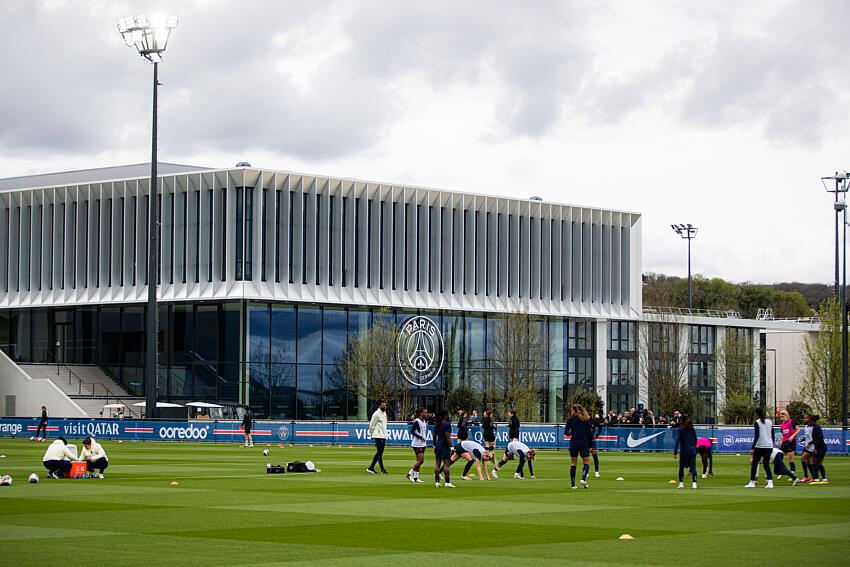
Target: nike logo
(632, 442)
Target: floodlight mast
(689, 232)
(150, 38)
(841, 186)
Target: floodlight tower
(841, 181)
(150, 37)
(689, 232)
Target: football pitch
(225, 510)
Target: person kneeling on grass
(779, 467)
(95, 457)
(474, 453)
(522, 451)
(57, 459)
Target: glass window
(283, 343)
(474, 339)
(335, 333)
(206, 332)
(259, 321)
(231, 332)
(259, 385)
(282, 391)
(309, 395)
(182, 333)
(309, 334)
(335, 394)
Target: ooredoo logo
(184, 432)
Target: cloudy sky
(719, 115)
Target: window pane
(283, 333)
(259, 319)
(309, 396)
(309, 334)
(335, 333)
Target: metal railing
(107, 393)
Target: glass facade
(622, 366)
(701, 375)
(278, 357)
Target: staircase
(89, 386)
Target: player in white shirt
(418, 440)
(807, 449)
(474, 453)
(522, 451)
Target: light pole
(689, 232)
(774, 379)
(841, 180)
(150, 37)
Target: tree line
(785, 299)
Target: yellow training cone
(626, 536)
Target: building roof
(96, 175)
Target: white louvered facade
(316, 239)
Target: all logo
(421, 351)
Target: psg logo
(420, 351)
(281, 432)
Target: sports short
(576, 450)
(508, 455)
(445, 454)
(489, 438)
(821, 452)
(247, 430)
(459, 450)
(419, 450)
(787, 447)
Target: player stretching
(807, 449)
(580, 433)
(596, 427)
(418, 434)
(704, 451)
(474, 453)
(789, 434)
(686, 438)
(522, 451)
(779, 468)
(443, 448)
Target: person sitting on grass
(474, 453)
(95, 457)
(57, 459)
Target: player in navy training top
(818, 445)
(596, 427)
(686, 439)
(579, 431)
(443, 448)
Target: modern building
(265, 275)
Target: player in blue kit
(579, 430)
(474, 453)
(686, 440)
(443, 448)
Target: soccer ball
(33, 478)
(6, 480)
(265, 452)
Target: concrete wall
(30, 394)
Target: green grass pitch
(227, 511)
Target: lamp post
(774, 379)
(150, 37)
(689, 232)
(841, 179)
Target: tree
(588, 399)
(462, 398)
(663, 365)
(369, 366)
(519, 349)
(820, 385)
(797, 410)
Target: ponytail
(760, 414)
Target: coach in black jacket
(513, 426)
(462, 426)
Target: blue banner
(539, 436)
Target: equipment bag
(275, 469)
(297, 466)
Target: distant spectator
(649, 419)
(473, 419)
(626, 419)
(462, 425)
(634, 418)
(677, 419)
(611, 418)
(513, 426)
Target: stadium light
(689, 232)
(150, 37)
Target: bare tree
(663, 365)
(820, 386)
(737, 376)
(369, 365)
(518, 353)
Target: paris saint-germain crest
(420, 350)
